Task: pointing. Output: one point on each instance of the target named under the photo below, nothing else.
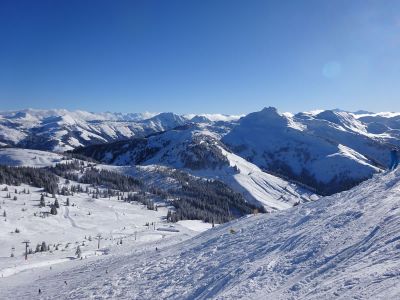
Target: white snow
(28, 157)
(380, 114)
(77, 224)
(346, 246)
(54, 126)
(257, 186)
(310, 144)
(195, 225)
(215, 117)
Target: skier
(40, 291)
(394, 159)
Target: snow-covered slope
(28, 157)
(75, 225)
(345, 246)
(387, 125)
(257, 186)
(330, 151)
(195, 149)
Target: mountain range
(264, 205)
(321, 152)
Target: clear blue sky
(199, 55)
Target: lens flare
(332, 69)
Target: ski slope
(346, 246)
(28, 157)
(77, 224)
(257, 186)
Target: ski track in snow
(67, 216)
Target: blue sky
(200, 56)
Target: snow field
(75, 225)
(341, 247)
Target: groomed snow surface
(346, 246)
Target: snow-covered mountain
(344, 246)
(328, 150)
(62, 130)
(194, 148)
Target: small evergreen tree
(43, 247)
(78, 252)
(53, 210)
(42, 202)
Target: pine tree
(43, 248)
(42, 202)
(53, 210)
(56, 204)
(4, 214)
(78, 252)
(67, 202)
